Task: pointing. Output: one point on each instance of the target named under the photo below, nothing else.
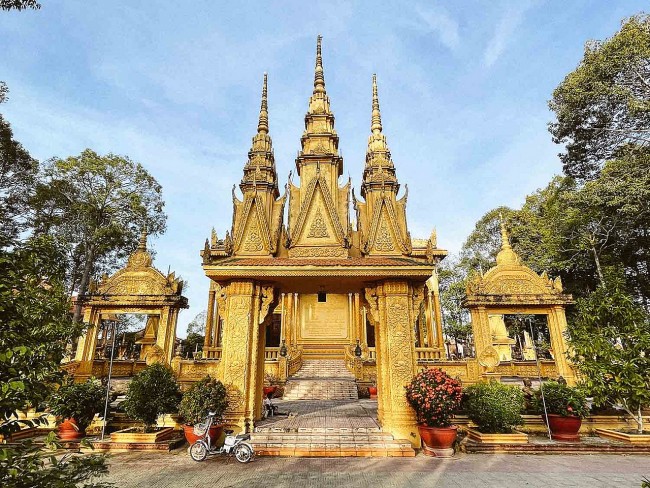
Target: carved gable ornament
(138, 282)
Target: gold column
(209, 319)
(396, 358)
(557, 327)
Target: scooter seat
(228, 431)
(243, 437)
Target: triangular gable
(252, 235)
(329, 210)
(384, 233)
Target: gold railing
(271, 353)
(372, 354)
(294, 362)
(427, 354)
(213, 353)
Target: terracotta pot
(214, 433)
(269, 390)
(373, 392)
(438, 441)
(69, 431)
(564, 428)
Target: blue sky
(463, 88)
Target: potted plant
(207, 395)
(496, 410)
(75, 405)
(372, 390)
(151, 392)
(566, 406)
(435, 397)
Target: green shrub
(152, 392)
(494, 407)
(203, 396)
(560, 399)
(80, 401)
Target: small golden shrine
(320, 284)
(138, 288)
(512, 288)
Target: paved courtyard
(176, 469)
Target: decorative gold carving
(319, 252)
(155, 355)
(489, 358)
(253, 241)
(267, 299)
(384, 241)
(370, 294)
(318, 227)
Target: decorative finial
(505, 239)
(319, 78)
(263, 124)
(506, 256)
(142, 246)
(376, 114)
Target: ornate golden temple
(323, 285)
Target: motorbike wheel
(243, 453)
(198, 451)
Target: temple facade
(320, 283)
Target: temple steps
(324, 379)
(330, 442)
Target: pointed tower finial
(263, 124)
(319, 78)
(142, 245)
(506, 256)
(376, 114)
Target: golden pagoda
(317, 285)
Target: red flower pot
(269, 390)
(373, 392)
(564, 428)
(438, 441)
(214, 433)
(70, 431)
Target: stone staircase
(321, 379)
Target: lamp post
(108, 383)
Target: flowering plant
(435, 396)
(562, 400)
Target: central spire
(376, 114)
(319, 78)
(263, 124)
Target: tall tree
(604, 104)
(17, 174)
(19, 4)
(98, 205)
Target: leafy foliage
(80, 401)
(494, 407)
(19, 4)
(610, 338)
(435, 396)
(17, 174)
(604, 104)
(207, 395)
(561, 399)
(34, 320)
(152, 392)
(25, 466)
(98, 205)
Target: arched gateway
(317, 285)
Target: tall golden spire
(376, 114)
(263, 124)
(319, 78)
(142, 245)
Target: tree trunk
(598, 268)
(83, 285)
(640, 420)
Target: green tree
(17, 174)
(19, 4)
(197, 324)
(610, 338)
(36, 329)
(604, 104)
(98, 205)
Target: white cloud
(504, 32)
(438, 20)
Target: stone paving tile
(176, 469)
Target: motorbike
(233, 445)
